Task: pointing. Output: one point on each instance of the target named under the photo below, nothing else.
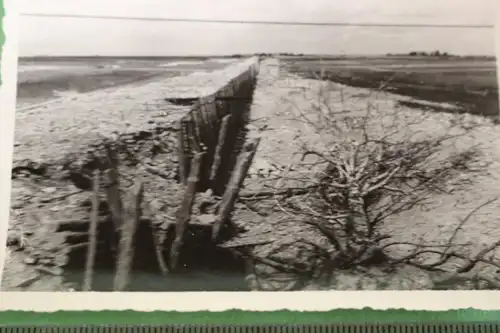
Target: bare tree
(372, 165)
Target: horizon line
(237, 55)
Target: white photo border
(195, 301)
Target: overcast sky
(70, 36)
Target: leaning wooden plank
(220, 144)
(159, 238)
(126, 251)
(247, 242)
(193, 134)
(184, 212)
(94, 220)
(182, 149)
(198, 125)
(243, 163)
(209, 116)
(113, 190)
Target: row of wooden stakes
(127, 213)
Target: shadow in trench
(203, 265)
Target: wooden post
(159, 239)
(182, 142)
(94, 220)
(113, 190)
(209, 116)
(195, 117)
(184, 212)
(193, 136)
(199, 128)
(240, 171)
(218, 149)
(126, 251)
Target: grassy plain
(470, 83)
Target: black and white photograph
(251, 145)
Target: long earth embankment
(155, 128)
(158, 128)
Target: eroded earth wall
(202, 127)
(59, 144)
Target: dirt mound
(282, 98)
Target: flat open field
(470, 83)
(40, 80)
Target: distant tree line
(263, 54)
(436, 53)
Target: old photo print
(253, 146)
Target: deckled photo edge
(8, 102)
(193, 301)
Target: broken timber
(218, 149)
(126, 251)
(113, 190)
(91, 252)
(238, 175)
(207, 127)
(184, 212)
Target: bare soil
(280, 97)
(63, 129)
(278, 101)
